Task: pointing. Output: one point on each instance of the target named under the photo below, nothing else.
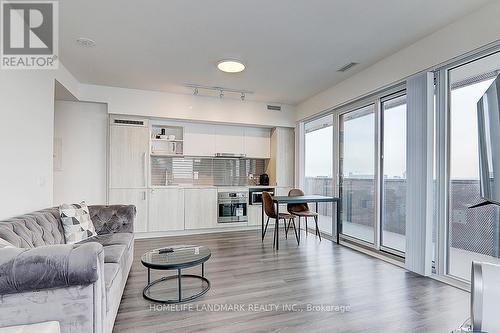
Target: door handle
(144, 162)
(144, 195)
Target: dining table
(304, 199)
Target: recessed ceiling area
(292, 49)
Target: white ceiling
(292, 49)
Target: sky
(359, 141)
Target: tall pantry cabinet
(129, 165)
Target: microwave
(255, 195)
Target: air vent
(129, 122)
(274, 107)
(347, 67)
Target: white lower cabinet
(200, 208)
(254, 214)
(136, 197)
(166, 209)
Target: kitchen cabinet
(199, 140)
(255, 214)
(282, 164)
(136, 197)
(229, 140)
(257, 142)
(200, 210)
(166, 209)
(129, 156)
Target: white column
(299, 155)
(419, 173)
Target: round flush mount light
(231, 66)
(85, 42)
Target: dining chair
(302, 210)
(270, 211)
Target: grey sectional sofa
(80, 285)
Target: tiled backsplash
(204, 171)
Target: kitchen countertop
(219, 187)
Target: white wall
(26, 130)
(187, 107)
(82, 131)
(469, 33)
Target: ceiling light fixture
(231, 66)
(85, 42)
(198, 89)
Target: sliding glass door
(319, 166)
(473, 234)
(357, 173)
(393, 169)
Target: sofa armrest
(46, 267)
(113, 219)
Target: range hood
(230, 155)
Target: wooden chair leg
(317, 228)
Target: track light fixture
(221, 90)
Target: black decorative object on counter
(264, 179)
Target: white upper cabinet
(229, 139)
(209, 139)
(199, 140)
(257, 142)
(129, 156)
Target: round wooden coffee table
(176, 257)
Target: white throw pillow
(76, 222)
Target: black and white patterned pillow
(76, 222)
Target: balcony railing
(476, 230)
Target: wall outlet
(195, 175)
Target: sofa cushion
(110, 273)
(114, 253)
(112, 239)
(34, 229)
(4, 244)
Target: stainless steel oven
(255, 195)
(232, 207)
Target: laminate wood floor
(375, 295)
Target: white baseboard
(143, 235)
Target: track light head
(221, 95)
(195, 91)
(242, 96)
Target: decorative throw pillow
(76, 222)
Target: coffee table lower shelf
(147, 292)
